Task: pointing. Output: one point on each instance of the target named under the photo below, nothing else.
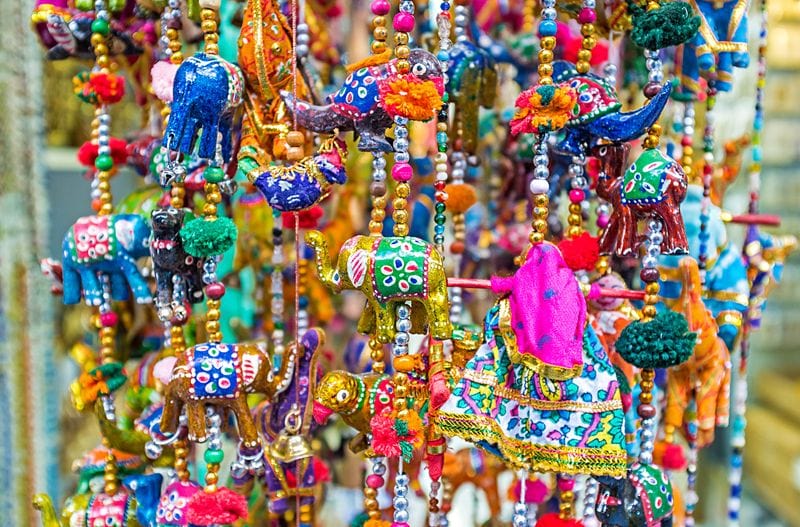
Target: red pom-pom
(216, 508)
(108, 87)
(669, 455)
(551, 519)
(580, 252)
(309, 218)
(384, 437)
(87, 153)
(536, 491)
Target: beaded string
(374, 482)
(441, 168)
(590, 491)
(276, 286)
(740, 386)
(566, 495)
(213, 455)
(377, 189)
(520, 517)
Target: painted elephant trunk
(319, 119)
(130, 441)
(327, 274)
(44, 504)
(625, 126)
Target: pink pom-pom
(552, 519)
(163, 75)
(216, 508)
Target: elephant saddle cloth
(655, 491)
(216, 371)
(108, 511)
(646, 180)
(534, 422)
(172, 506)
(93, 239)
(359, 95)
(401, 268)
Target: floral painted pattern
(93, 239)
(171, 510)
(359, 94)
(573, 426)
(216, 370)
(401, 268)
(104, 510)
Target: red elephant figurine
(652, 188)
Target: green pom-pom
(401, 427)
(359, 520)
(203, 238)
(547, 93)
(670, 24)
(112, 373)
(407, 450)
(662, 342)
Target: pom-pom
(536, 491)
(543, 108)
(662, 342)
(377, 523)
(671, 24)
(460, 197)
(411, 97)
(163, 75)
(322, 473)
(580, 252)
(203, 238)
(309, 218)
(669, 455)
(385, 440)
(87, 153)
(552, 519)
(109, 87)
(216, 508)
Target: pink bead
(374, 481)
(215, 290)
(587, 16)
(402, 172)
(109, 319)
(381, 7)
(400, 524)
(602, 221)
(576, 195)
(566, 484)
(403, 22)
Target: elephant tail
(319, 119)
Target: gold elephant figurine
(223, 375)
(86, 509)
(389, 270)
(73, 506)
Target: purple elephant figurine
(106, 245)
(206, 91)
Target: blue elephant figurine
(721, 42)
(207, 89)
(107, 245)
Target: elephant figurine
(213, 373)
(73, 506)
(642, 498)
(706, 376)
(653, 187)
(132, 441)
(206, 91)
(719, 46)
(371, 96)
(147, 490)
(471, 84)
(598, 113)
(303, 184)
(179, 275)
(389, 270)
(109, 245)
(471, 465)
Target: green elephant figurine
(389, 270)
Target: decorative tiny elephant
(179, 276)
(471, 84)
(109, 245)
(389, 270)
(653, 187)
(721, 42)
(206, 90)
(644, 497)
(223, 375)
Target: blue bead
(443, 56)
(757, 155)
(548, 28)
(441, 137)
(303, 302)
(736, 462)
(736, 491)
(438, 229)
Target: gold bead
(208, 26)
(378, 214)
(105, 197)
(172, 34)
(652, 288)
(589, 43)
(574, 230)
(371, 504)
(587, 30)
(401, 229)
(649, 311)
(650, 299)
(379, 33)
(378, 21)
(403, 190)
(103, 186)
(209, 209)
(403, 66)
(402, 52)
(101, 49)
(646, 397)
(379, 201)
(400, 216)
(399, 203)
(441, 126)
(212, 315)
(548, 43)
(370, 493)
(97, 39)
(575, 208)
(545, 55)
(378, 47)
(584, 55)
(176, 57)
(567, 495)
(539, 225)
(401, 39)
(103, 61)
(212, 326)
(375, 226)
(541, 200)
(545, 70)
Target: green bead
(104, 162)
(213, 174)
(213, 457)
(100, 26)
(440, 207)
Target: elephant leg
(371, 136)
(724, 394)
(705, 56)
(677, 399)
(225, 131)
(384, 320)
(194, 284)
(438, 309)
(208, 139)
(278, 502)
(740, 59)
(608, 237)
(492, 497)
(196, 417)
(724, 80)
(247, 428)
(119, 287)
(675, 241)
(141, 292)
(170, 416)
(92, 292)
(666, 522)
(72, 285)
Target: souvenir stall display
(468, 241)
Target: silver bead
(401, 132)
(400, 120)
(541, 160)
(520, 521)
(398, 349)
(402, 479)
(401, 157)
(520, 508)
(379, 468)
(541, 172)
(654, 225)
(302, 50)
(152, 450)
(401, 338)
(403, 311)
(399, 503)
(401, 516)
(549, 13)
(379, 162)
(401, 144)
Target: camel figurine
(707, 374)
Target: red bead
(403, 22)
(651, 89)
(646, 411)
(381, 7)
(566, 484)
(402, 172)
(457, 247)
(441, 195)
(587, 16)
(576, 195)
(648, 275)
(109, 319)
(215, 290)
(686, 140)
(374, 481)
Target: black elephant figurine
(106, 245)
(642, 499)
(178, 274)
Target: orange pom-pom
(460, 197)
(552, 519)
(411, 97)
(377, 523)
(543, 109)
(580, 252)
(108, 87)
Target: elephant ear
(357, 267)
(124, 230)
(250, 365)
